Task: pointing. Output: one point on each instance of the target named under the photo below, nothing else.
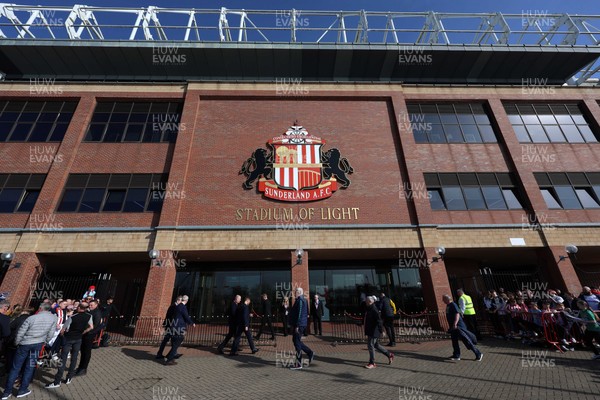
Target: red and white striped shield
(297, 166)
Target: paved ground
(508, 371)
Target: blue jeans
(28, 355)
(298, 332)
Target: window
(472, 191)
(135, 122)
(19, 192)
(113, 193)
(449, 123)
(544, 123)
(570, 190)
(34, 121)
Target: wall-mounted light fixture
(153, 254)
(440, 251)
(299, 254)
(571, 250)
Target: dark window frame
(34, 115)
(30, 184)
(588, 181)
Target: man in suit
(266, 317)
(181, 319)
(299, 321)
(243, 326)
(231, 321)
(167, 323)
(316, 313)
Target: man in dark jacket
(168, 324)
(387, 314)
(373, 330)
(73, 330)
(266, 317)
(316, 313)
(87, 340)
(181, 319)
(299, 321)
(231, 321)
(243, 326)
(458, 330)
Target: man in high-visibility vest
(467, 310)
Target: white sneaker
(52, 385)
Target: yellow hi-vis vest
(469, 309)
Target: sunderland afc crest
(297, 168)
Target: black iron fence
(210, 330)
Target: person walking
(284, 311)
(299, 321)
(467, 309)
(458, 330)
(592, 328)
(231, 321)
(181, 319)
(387, 314)
(168, 325)
(73, 330)
(373, 331)
(266, 317)
(33, 333)
(316, 313)
(243, 327)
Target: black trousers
(265, 320)
(238, 336)
(471, 322)
(86, 350)
(230, 334)
(163, 344)
(388, 323)
(318, 326)
(176, 341)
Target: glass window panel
(59, 132)
(40, 132)
(530, 119)
(564, 119)
(547, 120)
(487, 133)
(537, 134)
(70, 200)
(427, 118)
(135, 200)
(114, 200)
(15, 106)
(596, 189)
(579, 119)
(5, 128)
(515, 119)
(454, 198)
(47, 117)
(522, 134)
(474, 198)
(123, 107)
(551, 201)
(95, 133)
(9, 117)
(138, 117)
(119, 118)
(20, 132)
(155, 200)
(9, 199)
(436, 135)
(65, 116)
(448, 119)
(511, 199)
(28, 117)
(101, 117)
(471, 134)
(105, 107)
(435, 199)
(572, 134)
(53, 106)
(28, 201)
(484, 119)
(134, 132)
(554, 133)
(493, 198)
(587, 133)
(453, 134)
(586, 199)
(420, 135)
(466, 119)
(567, 197)
(114, 132)
(92, 200)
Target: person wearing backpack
(387, 309)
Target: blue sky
(512, 6)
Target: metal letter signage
(296, 168)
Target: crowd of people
(530, 315)
(57, 331)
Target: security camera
(571, 249)
(153, 254)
